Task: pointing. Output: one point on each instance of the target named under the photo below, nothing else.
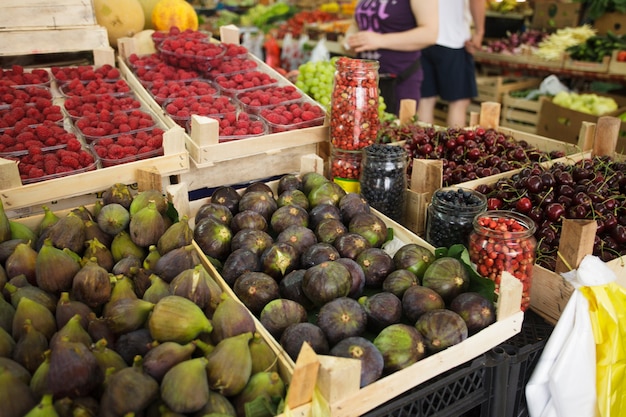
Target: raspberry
(50, 166)
(125, 140)
(71, 162)
(308, 115)
(35, 172)
(85, 158)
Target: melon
(174, 13)
(121, 18)
(148, 6)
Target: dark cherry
(534, 184)
(619, 233)
(554, 211)
(565, 189)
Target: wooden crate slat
(28, 42)
(27, 14)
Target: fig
(311, 180)
(417, 300)
(382, 309)
(176, 261)
(68, 232)
(401, 346)
(299, 237)
(328, 230)
(263, 386)
(248, 219)
(230, 365)
(227, 196)
(318, 253)
(327, 193)
(280, 313)
(30, 347)
(123, 246)
(113, 218)
(128, 391)
(290, 287)
(341, 318)
(350, 245)
(371, 227)
(185, 387)
(196, 284)
(238, 262)
(143, 198)
(217, 211)
(118, 193)
(295, 335)
(73, 331)
(357, 274)
(92, 285)
(447, 276)
(22, 262)
(213, 237)
(259, 186)
(293, 197)
(125, 265)
(177, 319)
(231, 318)
(16, 398)
(101, 253)
(376, 264)
(413, 257)
(398, 281)
(477, 311)
(6, 249)
(218, 406)
(289, 182)
(256, 241)
(263, 355)
(326, 281)
(352, 204)
(177, 235)
(73, 371)
(107, 357)
(279, 259)
(132, 344)
(321, 212)
(7, 344)
(93, 231)
(357, 347)
(40, 317)
(289, 215)
(259, 201)
(441, 328)
(255, 290)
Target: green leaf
(483, 286)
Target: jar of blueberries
(450, 216)
(383, 178)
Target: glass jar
(383, 179)
(345, 169)
(450, 216)
(354, 118)
(504, 240)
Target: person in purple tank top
(394, 32)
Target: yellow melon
(147, 6)
(121, 18)
(169, 13)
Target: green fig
(101, 253)
(73, 370)
(185, 388)
(22, 261)
(16, 398)
(401, 345)
(40, 317)
(30, 347)
(93, 231)
(264, 358)
(123, 287)
(123, 246)
(7, 312)
(33, 293)
(157, 289)
(49, 218)
(217, 405)
(176, 236)
(176, 261)
(127, 314)
(38, 381)
(21, 231)
(230, 365)
(107, 358)
(97, 206)
(55, 268)
(82, 212)
(151, 258)
(143, 198)
(7, 344)
(16, 369)
(231, 318)
(267, 385)
(162, 357)
(45, 408)
(177, 319)
(118, 193)
(113, 218)
(67, 308)
(126, 265)
(194, 285)
(68, 232)
(92, 284)
(5, 226)
(74, 331)
(129, 390)
(146, 226)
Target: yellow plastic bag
(607, 309)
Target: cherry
(554, 211)
(494, 203)
(524, 204)
(534, 184)
(619, 233)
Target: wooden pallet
(520, 114)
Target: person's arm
(425, 34)
(477, 10)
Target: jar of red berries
(504, 240)
(345, 168)
(354, 118)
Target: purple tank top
(385, 16)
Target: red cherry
(524, 205)
(554, 211)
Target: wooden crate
(600, 67)
(615, 66)
(555, 14)
(493, 88)
(520, 113)
(338, 378)
(42, 27)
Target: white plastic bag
(320, 52)
(563, 383)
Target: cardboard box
(614, 22)
(555, 15)
(615, 66)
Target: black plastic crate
(458, 392)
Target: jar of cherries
(354, 118)
(504, 240)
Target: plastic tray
(255, 100)
(163, 91)
(196, 60)
(107, 142)
(164, 72)
(63, 75)
(59, 133)
(238, 82)
(32, 118)
(21, 77)
(27, 95)
(233, 64)
(226, 137)
(118, 88)
(180, 109)
(78, 106)
(81, 127)
(275, 127)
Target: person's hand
(364, 41)
(474, 44)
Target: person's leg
(426, 109)
(457, 113)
